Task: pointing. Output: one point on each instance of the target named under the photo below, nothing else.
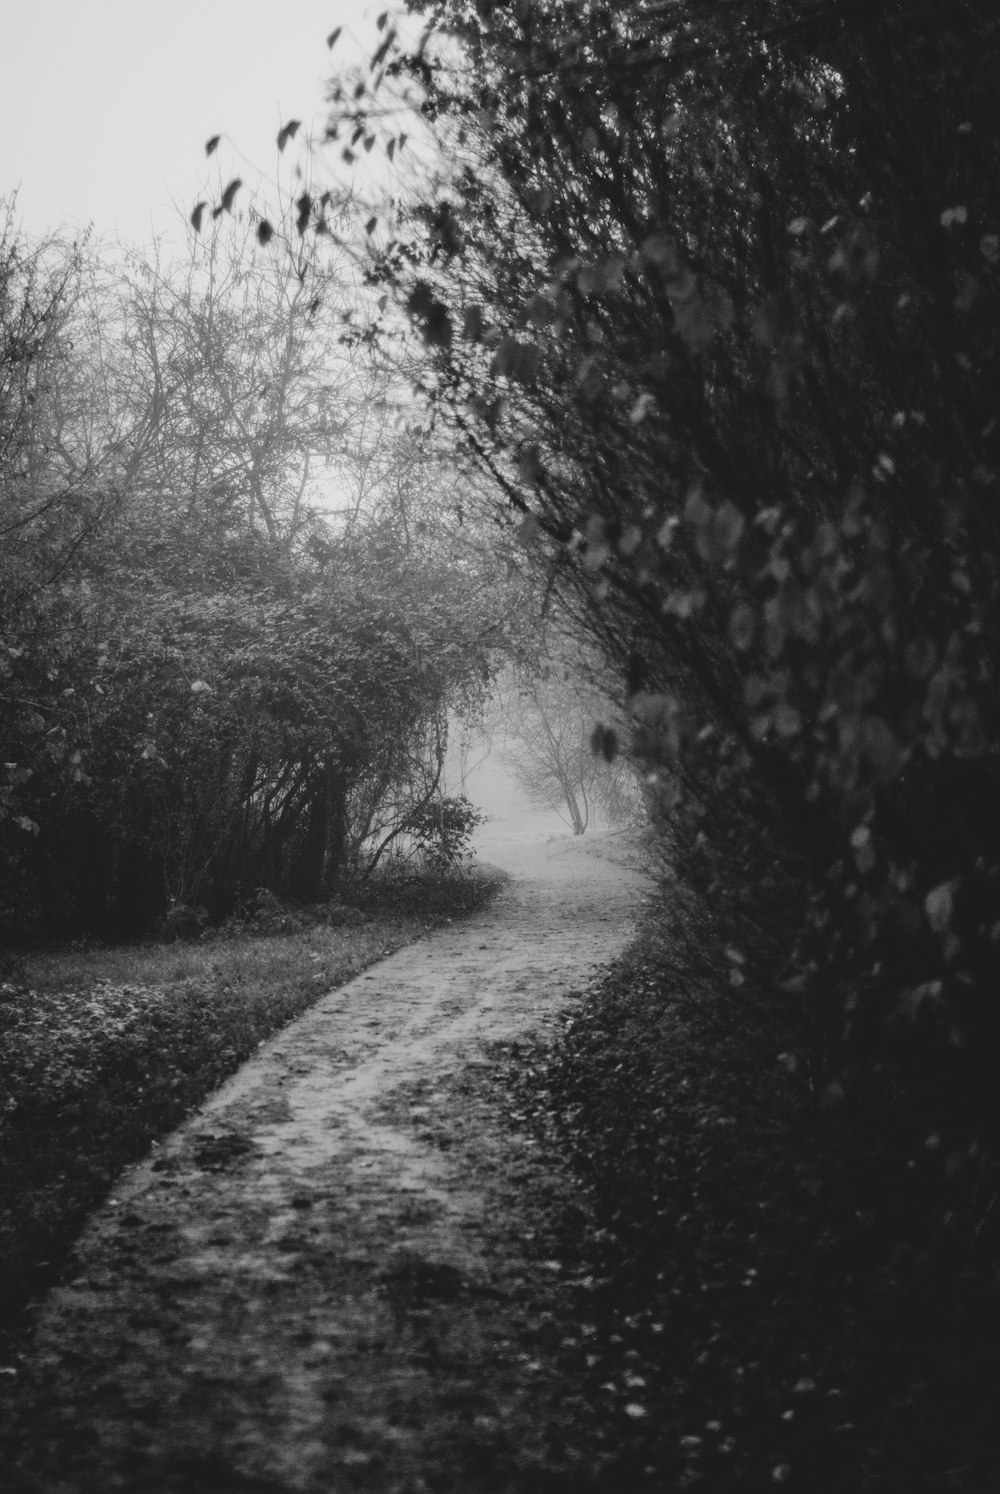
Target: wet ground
(333, 1276)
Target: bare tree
(548, 716)
(249, 397)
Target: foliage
(441, 828)
(208, 688)
(226, 730)
(767, 1295)
(712, 294)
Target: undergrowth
(104, 1051)
(777, 1291)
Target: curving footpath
(328, 1278)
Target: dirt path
(329, 1278)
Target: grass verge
(103, 1052)
(772, 1289)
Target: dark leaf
(212, 145)
(604, 743)
(265, 233)
(432, 316)
(229, 195)
(197, 216)
(288, 132)
(331, 40)
(437, 327)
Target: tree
(549, 716)
(711, 294)
(209, 687)
(244, 392)
(56, 493)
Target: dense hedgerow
(781, 1290)
(712, 295)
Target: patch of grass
(104, 1051)
(773, 1289)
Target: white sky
(105, 105)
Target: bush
(713, 296)
(442, 830)
(771, 1275)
